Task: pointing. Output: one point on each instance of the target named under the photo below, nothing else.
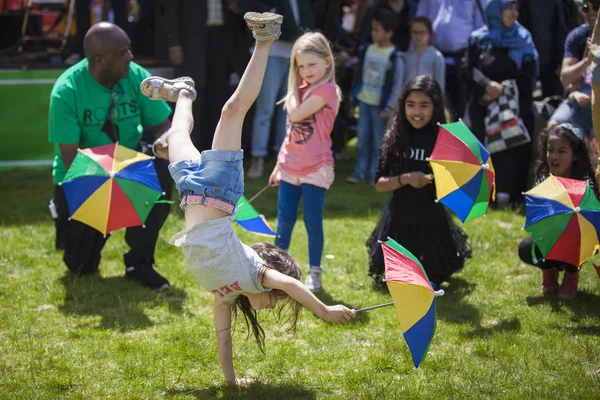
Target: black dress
(416, 221)
(485, 63)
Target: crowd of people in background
(438, 37)
(507, 68)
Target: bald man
(94, 103)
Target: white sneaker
(313, 279)
(256, 168)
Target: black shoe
(146, 276)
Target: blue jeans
(370, 131)
(273, 89)
(314, 203)
(570, 111)
(218, 174)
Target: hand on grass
(338, 314)
(244, 381)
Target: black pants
(83, 19)
(525, 256)
(215, 92)
(83, 244)
(456, 90)
(551, 85)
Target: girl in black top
(412, 217)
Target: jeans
(314, 203)
(218, 174)
(273, 89)
(370, 131)
(570, 111)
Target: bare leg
(179, 143)
(228, 135)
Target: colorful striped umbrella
(248, 218)
(463, 171)
(563, 217)
(413, 296)
(111, 187)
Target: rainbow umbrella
(111, 187)
(248, 218)
(413, 297)
(463, 171)
(563, 217)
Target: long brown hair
(395, 141)
(288, 309)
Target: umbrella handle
(374, 307)
(261, 191)
(437, 293)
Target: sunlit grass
(104, 337)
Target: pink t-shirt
(307, 144)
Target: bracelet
(400, 180)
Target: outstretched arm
(297, 291)
(223, 328)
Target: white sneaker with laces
(313, 279)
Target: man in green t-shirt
(97, 102)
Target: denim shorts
(570, 111)
(217, 174)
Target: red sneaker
(550, 281)
(568, 288)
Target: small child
(563, 153)
(422, 58)
(412, 217)
(304, 166)
(244, 278)
(378, 83)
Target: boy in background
(378, 83)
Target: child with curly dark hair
(562, 152)
(412, 217)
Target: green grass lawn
(104, 337)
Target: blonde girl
(304, 166)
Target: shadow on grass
(326, 298)
(505, 326)
(584, 305)
(452, 308)
(21, 207)
(119, 302)
(252, 392)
